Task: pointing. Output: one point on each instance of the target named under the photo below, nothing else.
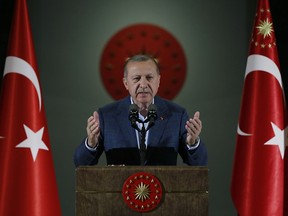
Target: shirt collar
(132, 102)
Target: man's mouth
(142, 93)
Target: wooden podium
(99, 190)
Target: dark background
(70, 35)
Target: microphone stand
(142, 140)
(133, 117)
(143, 145)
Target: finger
(96, 116)
(197, 115)
(196, 118)
(191, 129)
(191, 123)
(194, 123)
(89, 123)
(96, 128)
(91, 118)
(94, 119)
(197, 123)
(94, 124)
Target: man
(173, 132)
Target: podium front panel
(99, 190)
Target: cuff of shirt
(89, 147)
(192, 147)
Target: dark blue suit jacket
(118, 139)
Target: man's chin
(144, 98)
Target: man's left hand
(193, 127)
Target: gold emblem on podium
(142, 192)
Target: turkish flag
(258, 174)
(27, 177)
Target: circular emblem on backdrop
(142, 192)
(143, 39)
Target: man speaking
(142, 129)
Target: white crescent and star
(34, 140)
(264, 64)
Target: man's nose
(143, 83)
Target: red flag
(27, 178)
(258, 175)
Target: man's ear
(125, 83)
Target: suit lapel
(158, 129)
(128, 132)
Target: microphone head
(152, 112)
(133, 115)
(152, 108)
(133, 108)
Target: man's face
(142, 82)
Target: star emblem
(278, 139)
(265, 28)
(33, 141)
(142, 192)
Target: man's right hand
(93, 130)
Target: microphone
(133, 115)
(152, 115)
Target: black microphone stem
(134, 118)
(143, 136)
(143, 145)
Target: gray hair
(140, 58)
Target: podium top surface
(111, 178)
